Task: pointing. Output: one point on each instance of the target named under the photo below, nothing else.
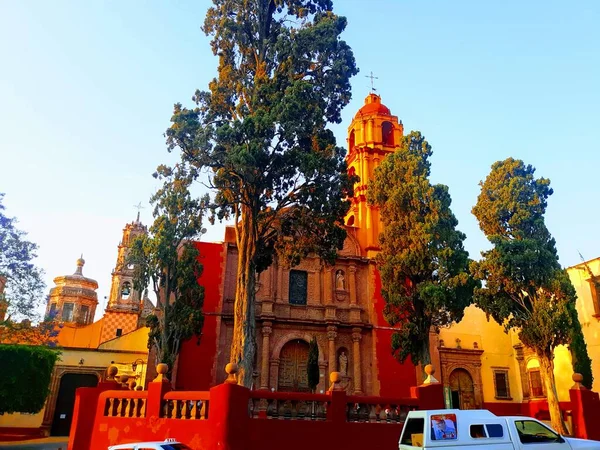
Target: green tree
(167, 259)
(525, 288)
(260, 133)
(25, 380)
(312, 368)
(422, 262)
(578, 348)
(24, 288)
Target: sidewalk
(52, 443)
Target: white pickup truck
(449, 429)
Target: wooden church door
(463, 391)
(293, 362)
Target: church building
(340, 305)
(479, 364)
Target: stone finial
(132, 384)
(123, 379)
(111, 372)
(577, 379)
(335, 378)
(162, 370)
(430, 370)
(231, 369)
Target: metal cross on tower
(372, 81)
(139, 207)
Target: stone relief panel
(351, 247)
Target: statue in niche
(343, 362)
(340, 280)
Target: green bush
(25, 377)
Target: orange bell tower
(373, 134)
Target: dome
(373, 106)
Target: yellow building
(88, 348)
(585, 278)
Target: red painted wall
(196, 362)
(395, 379)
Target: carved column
(318, 291)
(322, 386)
(331, 335)
(279, 276)
(352, 283)
(356, 338)
(522, 370)
(274, 375)
(264, 370)
(328, 288)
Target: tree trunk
(424, 355)
(547, 372)
(243, 346)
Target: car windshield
(530, 431)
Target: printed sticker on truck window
(443, 427)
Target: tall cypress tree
(423, 265)
(261, 135)
(525, 287)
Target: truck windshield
(412, 434)
(531, 431)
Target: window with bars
(298, 287)
(84, 313)
(501, 384)
(535, 383)
(67, 312)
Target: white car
(167, 444)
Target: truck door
(534, 435)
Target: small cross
(139, 207)
(372, 82)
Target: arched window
(126, 290)
(387, 133)
(351, 143)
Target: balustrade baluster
(194, 410)
(203, 409)
(175, 408)
(184, 409)
(111, 403)
(143, 408)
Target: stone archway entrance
(293, 361)
(462, 389)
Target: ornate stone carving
(331, 333)
(267, 328)
(343, 363)
(340, 280)
(466, 359)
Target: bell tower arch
(373, 134)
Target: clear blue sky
(87, 88)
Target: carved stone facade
(328, 302)
(457, 360)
